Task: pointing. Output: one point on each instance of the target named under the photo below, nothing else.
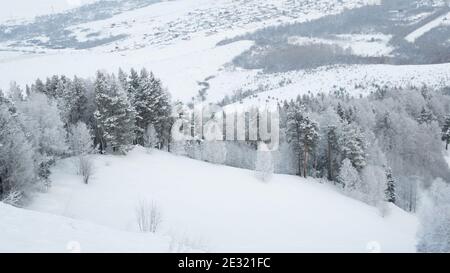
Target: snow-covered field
(27, 9)
(442, 20)
(176, 39)
(366, 45)
(30, 231)
(204, 207)
(356, 79)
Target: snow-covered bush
(434, 217)
(80, 140)
(350, 179)
(148, 216)
(17, 169)
(150, 137)
(85, 168)
(81, 144)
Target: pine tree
(352, 145)
(302, 133)
(123, 79)
(144, 104)
(426, 116)
(74, 102)
(38, 87)
(163, 109)
(390, 194)
(446, 131)
(115, 116)
(51, 86)
(332, 148)
(133, 85)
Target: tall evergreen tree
(352, 145)
(74, 102)
(115, 116)
(446, 131)
(390, 194)
(303, 134)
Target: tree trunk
(330, 167)
(300, 164)
(1, 189)
(305, 162)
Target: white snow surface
(28, 9)
(176, 39)
(356, 79)
(35, 232)
(441, 20)
(204, 207)
(366, 45)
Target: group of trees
(377, 148)
(64, 117)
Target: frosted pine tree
(390, 194)
(303, 134)
(74, 102)
(446, 132)
(163, 112)
(144, 104)
(352, 145)
(426, 116)
(123, 80)
(133, 85)
(115, 116)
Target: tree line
(62, 117)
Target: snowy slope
(27, 9)
(29, 231)
(177, 39)
(223, 209)
(356, 79)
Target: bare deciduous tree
(148, 216)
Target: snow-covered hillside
(176, 39)
(29, 231)
(26, 9)
(205, 207)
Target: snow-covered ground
(366, 45)
(356, 79)
(176, 39)
(441, 20)
(204, 207)
(30, 231)
(27, 9)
